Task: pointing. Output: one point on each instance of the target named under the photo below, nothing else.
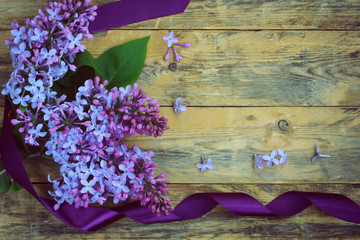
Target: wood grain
(227, 14)
(231, 68)
(27, 219)
(251, 64)
(231, 137)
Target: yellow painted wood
(232, 68)
(231, 137)
(307, 54)
(225, 14)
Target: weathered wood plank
(22, 217)
(225, 14)
(231, 137)
(231, 68)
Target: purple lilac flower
(178, 107)
(283, 157)
(177, 56)
(84, 135)
(18, 35)
(21, 49)
(171, 43)
(43, 46)
(127, 170)
(88, 186)
(170, 39)
(318, 154)
(271, 158)
(95, 168)
(33, 134)
(258, 161)
(204, 165)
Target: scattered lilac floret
(271, 159)
(171, 43)
(283, 157)
(258, 161)
(170, 39)
(178, 107)
(318, 154)
(203, 166)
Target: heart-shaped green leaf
(82, 59)
(78, 79)
(122, 65)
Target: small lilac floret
(166, 58)
(318, 154)
(170, 39)
(258, 161)
(178, 106)
(204, 165)
(127, 170)
(271, 158)
(171, 43)
(283, 156)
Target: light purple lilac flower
(85, 135)
(283, 157)
(258, 161)
(318, 154)
(95, 168)
(178, 106)
(171, 40)
(276, 157)
(45, 48)
(171, 43)
(271, 158)
(204, 165)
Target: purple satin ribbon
(194, 206)
(92, 218)
(116, 14)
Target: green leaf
(14, 187)
(78, 79)
(20, 139)
(82, 59)
(4, 180)
(122, 65)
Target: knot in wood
(283, 125)
(172, 67)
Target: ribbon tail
(120, 13)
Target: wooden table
(251, 64)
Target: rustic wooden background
(251, 64)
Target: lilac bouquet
(85, 135)
(44, 49)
